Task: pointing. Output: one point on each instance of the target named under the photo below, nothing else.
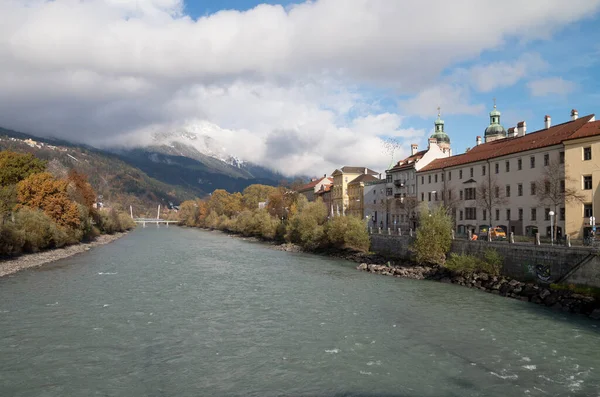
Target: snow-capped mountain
(193, 136)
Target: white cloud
(551, 86)
(100, 69)
(453, 99)
(488, 77)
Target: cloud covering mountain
(298, 88)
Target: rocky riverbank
(27, 261)
(563, 300)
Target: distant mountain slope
(118, 182)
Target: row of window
(471, 193)
(471, 214)
(507, 167)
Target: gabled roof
(408, 162)
(363, 178)
(356, 170)
(535, 140)
(326, 189)
(312, 184)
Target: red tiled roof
(325, 190)
(535, 140)
(312, 184)
(408, 162)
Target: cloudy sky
(303, 87)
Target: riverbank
(26, 261)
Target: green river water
(183, 312)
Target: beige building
(399, 208)
(341, 178)
(356, 195)
(315, 185)
(516, 180)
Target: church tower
(495, 130)
(440, 136)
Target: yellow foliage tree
(50, 195)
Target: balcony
(399, 183)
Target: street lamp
(593, 223)
(551, 213)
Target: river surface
(185, 312)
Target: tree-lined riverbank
(27, 261)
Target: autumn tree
(488, 196)
(224, 203)
(554, 189)
(50, 195)
(282, 202)
(255, 194)
(434, 236)
(80, 189)
(14, 167)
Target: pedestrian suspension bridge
(151, 221)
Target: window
(587, 153)
(562, 186)
(443, 194)
(449, 194)
(547, 214)
(561, 157)
(429, 177)
(587, 210)
(497, 166)
(429, 196)
(519, 164)
(388, 178)
(389, 191)
(483, 170)
(375, 201)
(436, 196)
(471, 213)
(449, 175)
(497, 192)
(547, 187)
(471, 172)
(532, 162)
(422, 196)
(497, 215)
(461, 215)
(587, 182)
(484, 213)
(508, 215)
(532, 188)
(507, 190)
(534, 214)
(442, 175)
(422, 180)
(562, 214)
(546, 160)
(435, 178)
(520, 214)
(507, 164)
(520, 189)
(461, 194)
(460, 174)
(470, 194)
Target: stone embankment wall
(543, 263)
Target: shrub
(465, 264)
(39, 231)
(305, 227)
(11, 240)
(348, 232)
(434, 236)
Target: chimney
(478, 140)
(574, 114)
(413, 149)
(547, 121)
(365, 170)
(521, 128)
(511, 132)
(431, 141)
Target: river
(185, 312)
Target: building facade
(518, 181)
(356, 195)
(341, 178)
(310, 189)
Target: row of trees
(286, 216)
(39, 210)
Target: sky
(301, 87)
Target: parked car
(497, 233)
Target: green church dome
(495, 128)
(439, 135)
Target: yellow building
(341, 178)
(356, 195)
